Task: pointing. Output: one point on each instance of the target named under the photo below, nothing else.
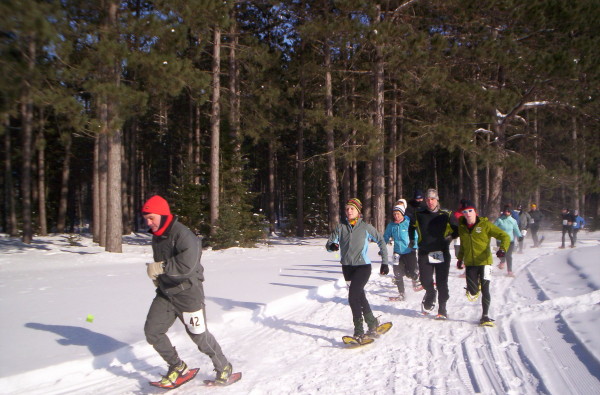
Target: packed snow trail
(541, 344)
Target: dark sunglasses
(469, 210)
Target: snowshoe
(359, 340)
(398, 298)
(486, 321)
(473, 298)
(380, 330)
(170, 381)
(234, 377)
(417, 286)
(441, 317)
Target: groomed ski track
(420, 355)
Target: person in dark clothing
(567, 219)
(435, 229)
(415, 204)
(524, 223)
(536, 221)
(178, 276)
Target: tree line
(262, 116)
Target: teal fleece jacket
(354, 243)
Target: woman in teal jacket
(475, 254)
(508, 224)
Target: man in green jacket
(475, 254)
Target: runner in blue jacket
(508, 224)
(405, 257)
(578, 224)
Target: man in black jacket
(436, 228)
(178, 276)
(536, 221)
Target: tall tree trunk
(114, 215)
(234, 104)
(102, 174)
(461, 176)
(9, 192)
(333, 205)
(475, 187)
(114, 191)
(300, 162)
(392, 178)
(41, 179)
(215, 125)
(271, 192)
(64, 186)
(379, 158)
(197, 144)
(26, 135)
(96, 193)
(575, 164)
(367, 191)
(400, 158)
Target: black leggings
(440, 270)
(407, 266)
(358, 277)
(567, 229)
(474, 275)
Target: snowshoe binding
(224, 377)
(357, 340)
(486, 321)
(177, 375)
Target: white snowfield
(73, 316)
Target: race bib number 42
(194, 322)
(436, 257)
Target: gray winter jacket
(354, 243)
(180, 249)
(524, 220)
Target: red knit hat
(156, 205)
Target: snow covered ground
(279, 312)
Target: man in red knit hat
(178, 276)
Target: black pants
(357, 299)
(474, 275)
(521, 241)
(440, 270)
(534, 234)
(508, 256)
(567, 229)
(574, 240)
(407, 266)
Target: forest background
(263, 116)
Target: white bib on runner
(195, 322)
(487, 272)
(436, 257)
